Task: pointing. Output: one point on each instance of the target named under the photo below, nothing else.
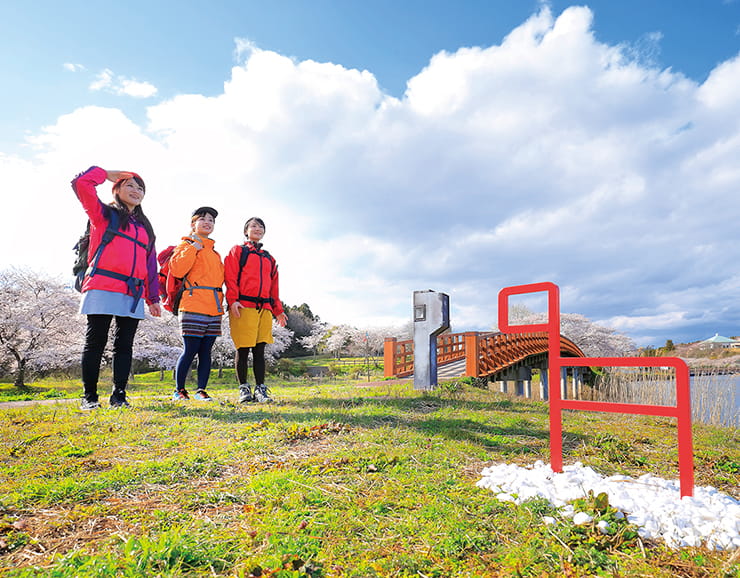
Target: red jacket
(259, 284)
(121, 255)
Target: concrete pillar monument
(431, 317)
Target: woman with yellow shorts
(253, 298)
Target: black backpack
(80, 266)
(82, 248)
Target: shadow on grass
(495, 425)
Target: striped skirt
(199, 325)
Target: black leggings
(96, 337)
(258, 363)
(200, 346)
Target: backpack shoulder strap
(111, 230)
(242, 261)
(273, 264)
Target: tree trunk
(20, 376)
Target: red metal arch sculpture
(681, 411)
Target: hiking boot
(88, 405)
(202, 395)
(260, 394)
(119, 403)
(180, 394)
(118, 399)
(245, 393)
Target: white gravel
(708, 518)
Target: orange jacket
(203, 268)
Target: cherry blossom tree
(339, 339)
(158, 342)
(39, 326)
(375, 339)
(595, 340)
(222, 354)
(316, 339)
(282, 338)
(346, 340)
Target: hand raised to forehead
(115, 176)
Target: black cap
(205, 211)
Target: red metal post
(472, 354)
(389, 357)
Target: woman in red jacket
(253, 297)
(121, 276)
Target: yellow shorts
(251, 327)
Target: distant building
(720, 341)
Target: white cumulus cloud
(120, 85)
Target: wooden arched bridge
(493, 355)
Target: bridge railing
(398, 357)
(497, 351)
(484, 353)
(450, 347)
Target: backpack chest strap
(216, 296)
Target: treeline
(41, 333)
(667, 350)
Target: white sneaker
(260, 394)
(89, 405)
(245, 393)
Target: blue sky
(393, 146)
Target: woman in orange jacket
(253, 296)
(201, 307)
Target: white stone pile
(708, 518)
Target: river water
(715, 398)
(737, 400)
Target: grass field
(338, 477)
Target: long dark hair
(124, 215)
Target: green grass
(156, 384)
(337, 478)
